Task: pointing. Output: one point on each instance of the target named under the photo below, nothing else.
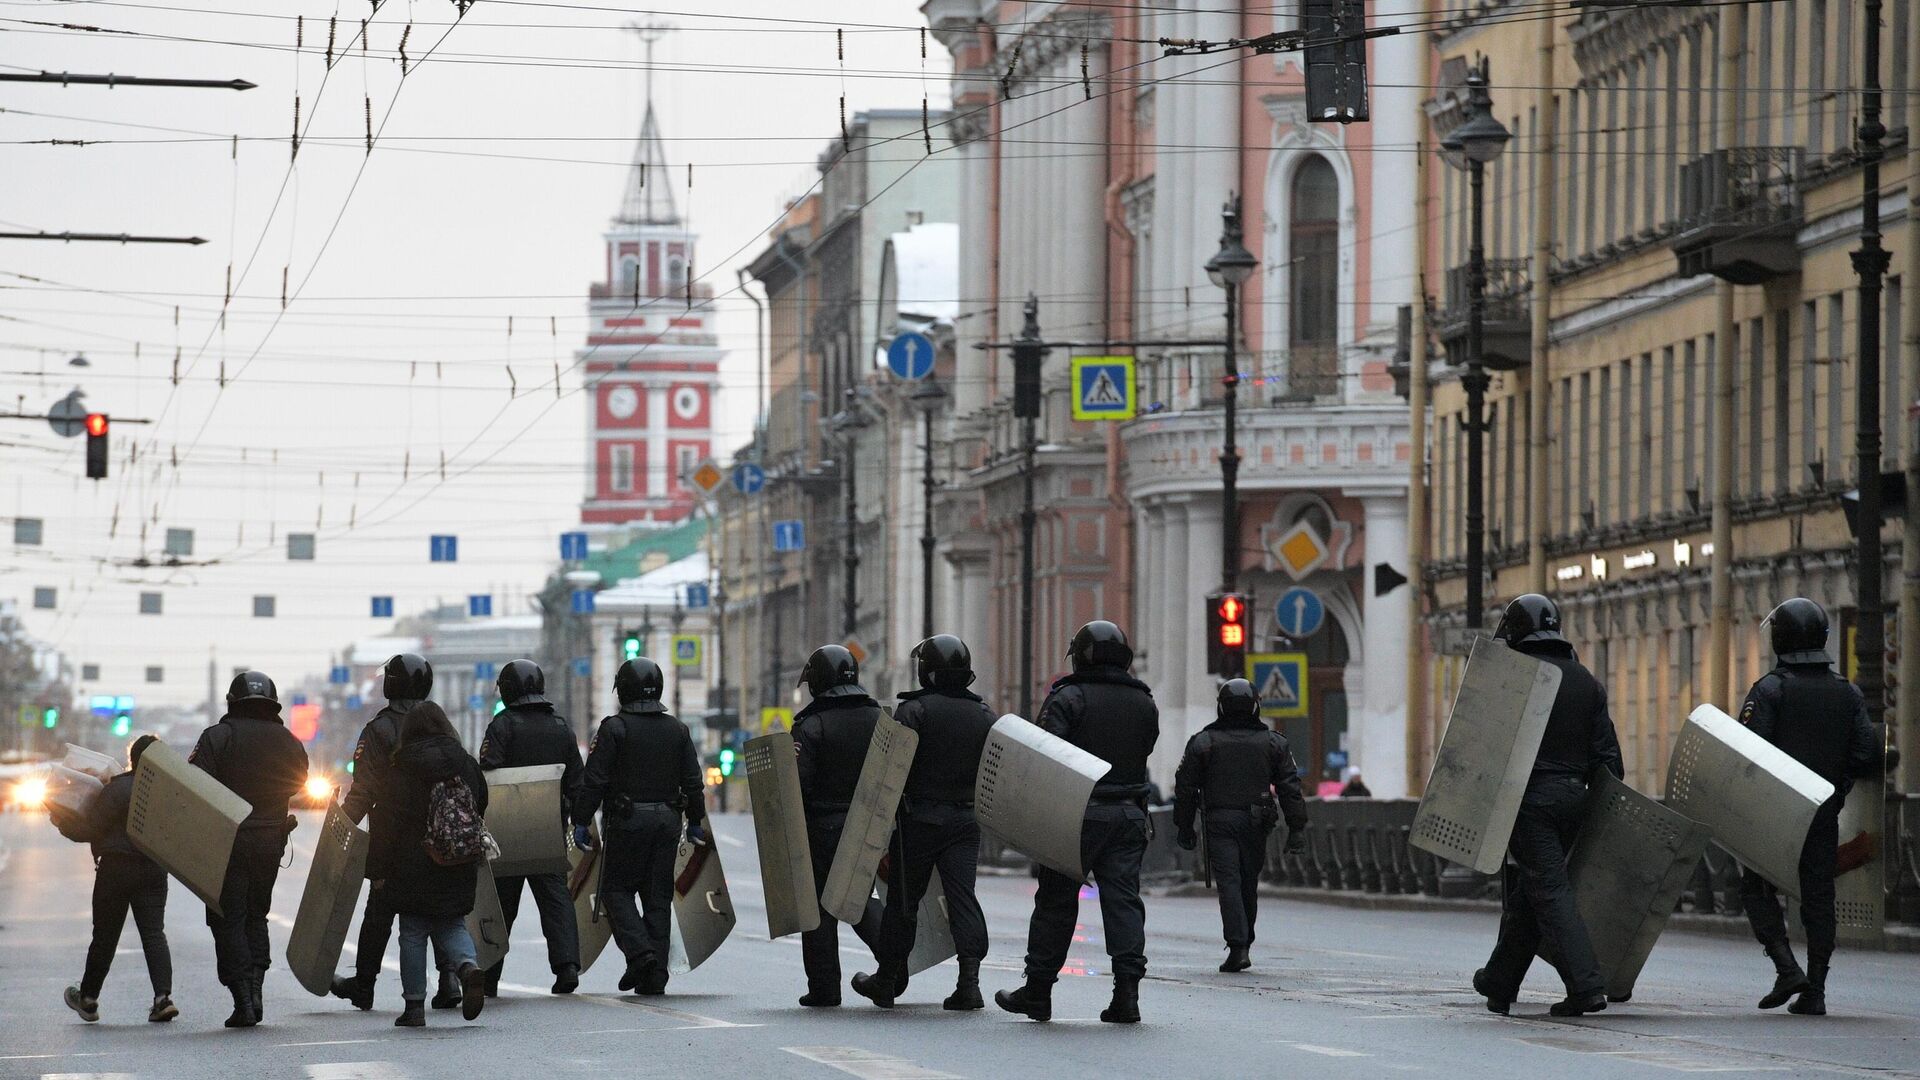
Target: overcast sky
(500, 158)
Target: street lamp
(847, 424)
(1473, 143)
(928, 396)
(1229, 268)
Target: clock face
(622, 402)
(686, 403)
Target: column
(1149, 544)
(1195, 707)
(1170, 679)
(1378, 728)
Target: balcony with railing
(1740, 214)
(1507, 323)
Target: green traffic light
(51, 718)
(122, 724)
(631, 647)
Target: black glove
(1296, 842)
(1188, 840)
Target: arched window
(1313, 247)
(629, 269)
(676, 271)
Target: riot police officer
(1538, 914)
(1102, 709)
(529, 732)
(406, 681)
(831, 735)
(1805, 708)
(1233, 771)
(257, 758)
(642, 768)
(937, 830)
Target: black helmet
(408, 677)
(1236, 700)
(943, 660)
(522, 683)
(251, 686)
(1530, 617)
(830, 667)
(1799, 632)
(1100, 642)
(639, 679)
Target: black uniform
(254, 755)
(123, 879)
(372, 760)
(1539, 917)
(937, 830)
(831, 736)
(1230, 775)
(1820, 720)
(532, 734)
(1110, 714)
(643, 769)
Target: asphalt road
(1334, 993)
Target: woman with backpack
(424, 864)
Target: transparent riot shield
(1032, 792)
(1632, 861)
(185, 820)
(326, 904)
(780, 832)
(1486, 755)
(523, 814)
(583, 885)
(1758, 801)
(702, 910)
(869, 828)
(486, 923)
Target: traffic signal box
(1228, 618)
(97, 446)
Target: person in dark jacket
(122, 879)
(1538, 915)
(529, 732)
(406, 681)
(831, 735)
(643, 770)
(258, 759)
(1805, 708)
(431, 899)
(1233, 771)
(1107, 712)
(937, 830)
(1355, 788)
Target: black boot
(1813, 1000)
(255, 984)
(567, 979)
(1592, 1001)
(242, 1005)
(1125, 1008)
(448, 995)
(492, 979)
(355, 989)
(473, 990)
(1788, 979)
(1484, 987)
(1237, 959)
(816, 998)
(1033, 1001)
(876, 988)
(652, 982)
(966, 990)
(413, 1015)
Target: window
(1712, 415)
(28, 531)
(44, 597)
(1313, 304)
(1809, 388)
(1588, 242)
(1780, 432)
(149, 603)
(629, 272)
(179, 541)
(1585, 489)
(1817, 79)
(263, 607)
(1763, 122)
(1843, 46)
(1671, 160)
(1756, 403)
(1567, 500)
(1604, 408)
(676, 272)
(1689, 415)
(1646, 435)
(1668, 428)
(155, 674)
(620, 468)
(1836, 385)
(685, 460)
(1789, 63)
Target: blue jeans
(450, 938)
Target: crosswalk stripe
(868, 1064)
(355, 1070)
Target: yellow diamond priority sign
(1300, 551)
(707, 477)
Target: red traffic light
(96, 424)
(1232, 608)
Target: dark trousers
(1539, 917)
(640, 849)
(1237, 855)
(1113, 840)
(122, 882)
(1762, 900)
(240, 948)
(935, 838)
(556, 916)
(376, 929)
(820, 947)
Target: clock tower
(652, 359)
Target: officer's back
(1805, 708)
(1107, 712)
(831, 736)
(256, 757)
(952, 724)
(528, 731)
(1579, 738)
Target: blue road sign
(790, 535)
(476, 701)
(484, 670)
(383, 607)
(583, 601)
(698, 595)
(1336, 760)
(1299, 612)
(573, 546)
(478, 605)
(911, 356)
(1103, 388)
(582, 667)
(443, 548)
(749, 478)
(355, 701)
(299, 699)
(1281, 681)
(339, 676)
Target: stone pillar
(1378, 727)
(1170, 590)
(1149, 632)
(1193, 709)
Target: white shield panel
(327, 902)
(780, 832)
(702, 910)
(1758, 801)
(1860, 897)
(1032, 792)
(869, 828)
(1633, 860)
(185, 820)
(932, 932)
(523, 814)
(486, 923)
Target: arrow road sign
(749, 478)
(698, 595)
(573, 546)
(443, 549)
(790, 535)
(1299, 612)
(910, 356)
(583, 601)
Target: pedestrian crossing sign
(775, 718)
(1281, 681)
(686, 650)
(1103, 388)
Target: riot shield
(1032, 792)
(185, 820)
(486, 924)
(327, 902)
(702, 910)
(932, 932)
(1633, 859)
(1486, 755)
(1758, 801)
(583, 885)
(523, 814)
(869, 828)
(780, 832)
(1860, 899)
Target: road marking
(867, 1064)
(86, 1076)
(355, 1070)
(690, 1021)
(329, 1042)
(1327, 1051)
(48, 1057)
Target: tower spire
(648, 197)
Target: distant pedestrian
(123, 878)
(435, 792)
(1355, 787)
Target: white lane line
(689, 1021)
(867, 1064)
(48, 1057)
(329, 1042)
(86, 1076)
(1327, 1051)
(355, 1070)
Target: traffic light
(1227, 617)
(122, 724)
(629, 645)
(97, 446)
(50, 719)
(726, 761)
(1029, 356)
(1336, 60)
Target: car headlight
(31, 793)
(319, 789)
